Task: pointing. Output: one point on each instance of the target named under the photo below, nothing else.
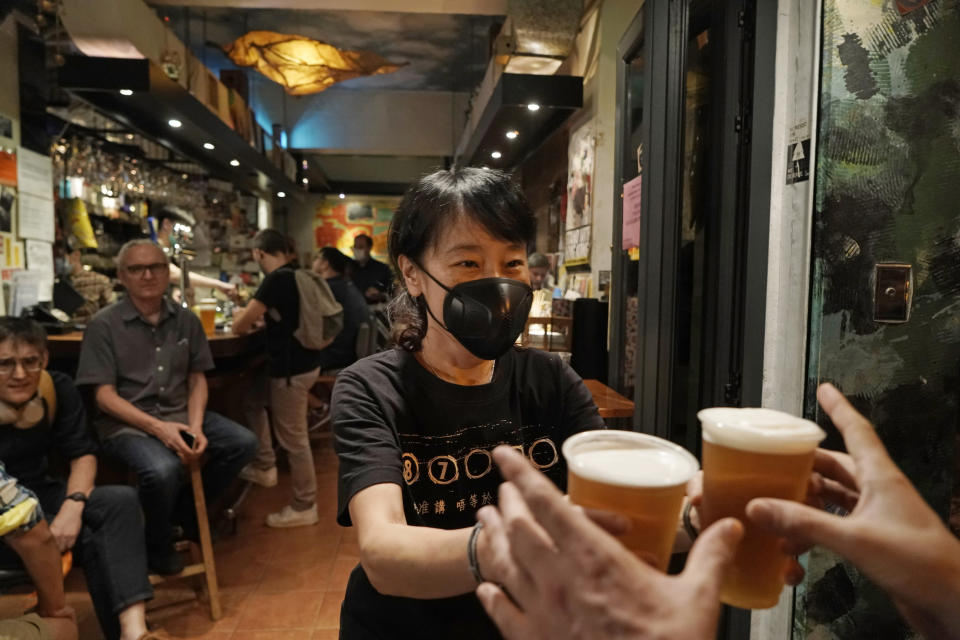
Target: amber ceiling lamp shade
(302, 65)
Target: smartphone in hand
(188, 438)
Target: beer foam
(628, 459)
(760, 430)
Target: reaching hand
(891, 534)
(229, 289)
(571, 579)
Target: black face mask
(487, 315)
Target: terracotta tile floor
(284, 584)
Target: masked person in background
(415, 426)
(373, 278)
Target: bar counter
(222, 345)
(237, 359)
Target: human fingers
(551, 512)
(200, 443)
(794, 547)
(802, 525)
(862, 441)
(613, 523)
(498, 564)
(712, 554)
(836, 466)
(512, 622)
(835, 493)
(174, 442)
(695, 488)
(530, 546)
(794, 573)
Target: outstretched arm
(890, 534)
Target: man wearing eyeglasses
(41, 414)
(146, 358)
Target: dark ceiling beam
(155, 101)
(507, 110)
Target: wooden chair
(203, 559)
(112, 471)
(367, 341)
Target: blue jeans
(165, 492)
(109, 549)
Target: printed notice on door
(631, 213)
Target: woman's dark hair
(23, 331)
(271, 241)
(336, 259)
(487, 197)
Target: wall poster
(338, 221)
(579, 213)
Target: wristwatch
(78, 496)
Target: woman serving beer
(415, 426)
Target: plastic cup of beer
(747, 454)
(208, 316)
(636, 475)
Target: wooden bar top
(222, 344)
(610, 403)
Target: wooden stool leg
(206, 546)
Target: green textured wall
(887, 190)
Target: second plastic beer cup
(635, 475)
(753, 453)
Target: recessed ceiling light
(342, 196)
(305, 181)
(208, 146)
(173, 122)
(184, 176)
(496, 155)
(512, 134)
(126, 92)
(281, 194)
(533, 106)
(234, 163)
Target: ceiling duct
(521, 101)
(538, 35)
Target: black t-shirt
(285, 355)
(25, 452)
(342, 352)
(373, 274)
(396, 422)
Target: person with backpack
(302, 316)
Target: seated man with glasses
(146, 358)
(41, 414)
